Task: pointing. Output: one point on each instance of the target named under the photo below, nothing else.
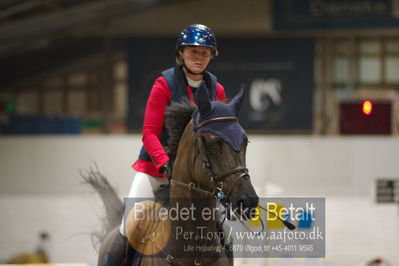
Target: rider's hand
(165, 169)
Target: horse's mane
(176, 119)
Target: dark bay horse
(207, 148)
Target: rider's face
(196, 58)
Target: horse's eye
(219, 142)
(215, 145)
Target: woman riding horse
(195, 48)
(209, 171)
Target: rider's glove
(165, 169)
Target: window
(375, 62)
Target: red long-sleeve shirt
(153, 125)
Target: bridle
(216, 180)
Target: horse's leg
(116, 251)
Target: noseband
(216, 180)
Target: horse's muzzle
(243, 208)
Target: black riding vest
(177, 84)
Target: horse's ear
(236, 102)
(202, 100)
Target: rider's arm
(220, 95)
(154, 121)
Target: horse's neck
(187, 169)
(183, 165)
(199, 209)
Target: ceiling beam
(65, 19)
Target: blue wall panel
(277, 74)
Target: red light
(354, 119)
(367, 107)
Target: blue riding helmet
(197, 35)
